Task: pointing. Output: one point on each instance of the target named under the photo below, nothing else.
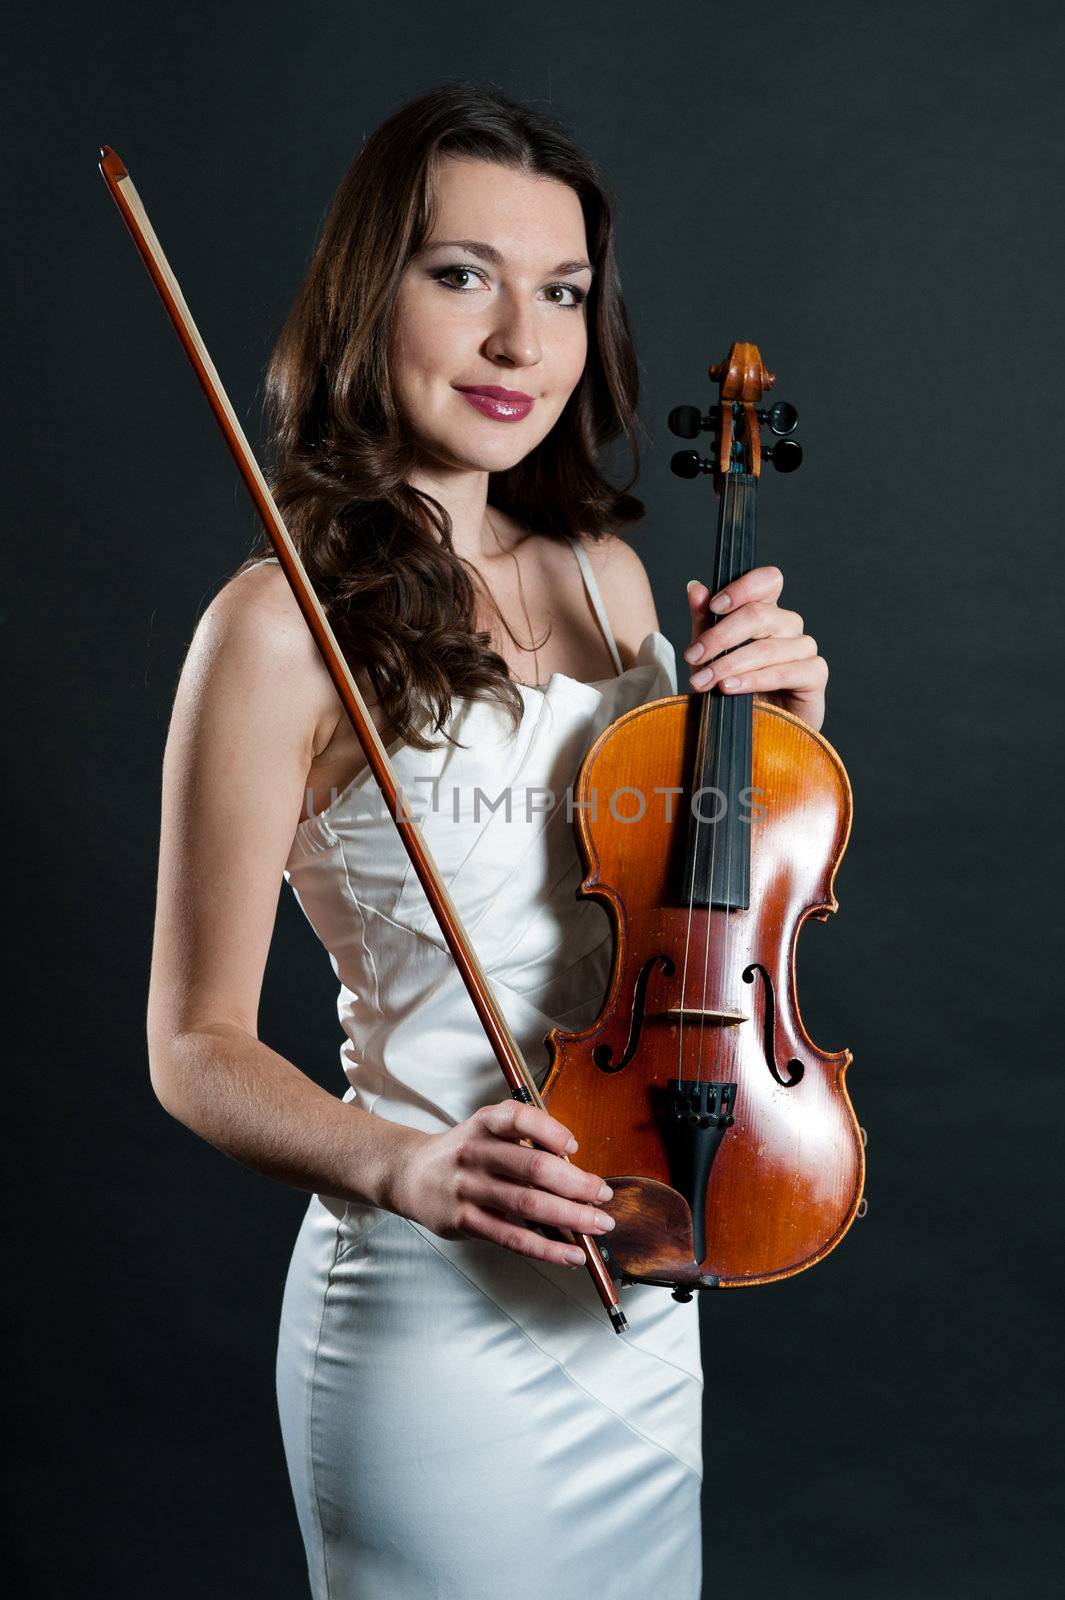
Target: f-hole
(602, 1055)
(795, 1068)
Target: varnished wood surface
(788, 1176)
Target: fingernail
(693, 652)
(605, 1192)
(700, 679)
(573, 1145)
(720, 602)
(603, 1221)
(731, 683)
(575, 1258)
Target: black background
(874, 196)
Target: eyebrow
(478, 247)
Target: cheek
(573, 360)
(421, 339)
(578, 347)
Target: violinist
(457, 1416)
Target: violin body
(726, 1134)
(787, 1176)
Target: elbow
(162, 1075)
(167, 1042)
(186, 1067)
(168, 1076)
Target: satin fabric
(460, 1421)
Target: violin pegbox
(744, 380)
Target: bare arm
(253, 706)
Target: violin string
(713, 727)
(725, 1037)
(717, 720)
(711, 720)
(687, 948)
(716, 715)
(722, 792)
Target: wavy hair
(377, 550)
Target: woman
(458, 1417)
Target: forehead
(524, 214)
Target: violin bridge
(730, 1017)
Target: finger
(547, 1171)
(537, 1205)
(698, 595)
(756, 620)
(761, 583)
(510, 1119)
(482, 1224)
(750, 658)
(802, 676)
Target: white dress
(460, 1422)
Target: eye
(580, 295)
(442, 274)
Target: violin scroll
(744, 379)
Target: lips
(505, 405)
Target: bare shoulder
(253, 629)
(626, 591)
(238, 751)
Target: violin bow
(515, 1070)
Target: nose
(515, 338)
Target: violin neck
(718, 856)
(737, 527)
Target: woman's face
(512, 320)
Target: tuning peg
(687, 422)
(781, 418)
(785, 456)
(689, 464)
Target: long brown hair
(400, 600)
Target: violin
(711, 827)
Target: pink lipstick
(506, 405)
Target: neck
(477, 533)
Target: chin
(498, 456)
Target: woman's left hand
(773, 657)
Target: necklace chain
(521, 595)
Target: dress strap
(596, 598)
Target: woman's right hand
(470, 1180)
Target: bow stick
(519, 1079)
